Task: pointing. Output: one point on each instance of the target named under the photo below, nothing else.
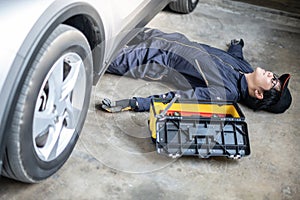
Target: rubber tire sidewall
(183, 6)
(23, 160)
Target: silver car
(52, 52)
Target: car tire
(183, 6)
(51, 107)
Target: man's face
(266, 79)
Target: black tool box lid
(200, 128)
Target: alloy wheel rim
(58, 107)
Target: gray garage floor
(115, 159)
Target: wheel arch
(94, 32)
(79, 15)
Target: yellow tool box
(193, 128)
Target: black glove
(237, 42)
(118, 106)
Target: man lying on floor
(200, 71)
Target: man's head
(270, 91)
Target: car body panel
(12, 12)
(27, 24)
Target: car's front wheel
(183, 6)
(51, 107)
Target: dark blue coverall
(200, 71)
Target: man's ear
(258, 94)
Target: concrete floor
(115, 158)
(292, 6)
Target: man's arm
(199, 93)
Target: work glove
(118, 106)
(237, 42)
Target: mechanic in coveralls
(199, 71)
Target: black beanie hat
(285, 99)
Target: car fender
(21, 41)
(29, 23)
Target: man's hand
(118, 106)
